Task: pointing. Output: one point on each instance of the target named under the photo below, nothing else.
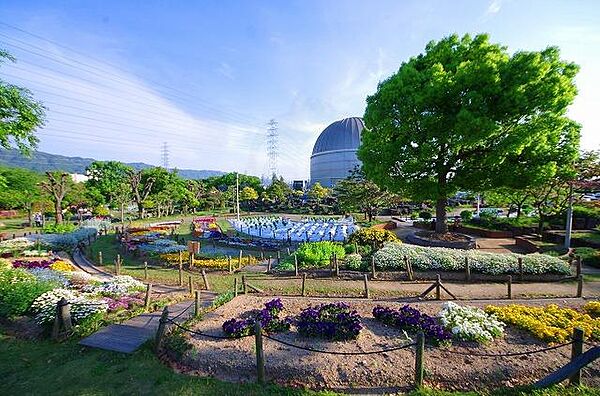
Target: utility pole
(272, 145)
(164, 152)
(237, 195)
(569, 218)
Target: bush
(350, 248)
(425, 215)
(470, 323)
(63, 228)
(353, 262)
(18, 289)
(391, 257)
(466, 215)
(331, 321)
(589, 256)
(317, 254)
(372, 236)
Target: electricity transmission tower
(164, 153)
(272, 146)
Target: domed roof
(341, 135)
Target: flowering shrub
(44, 307)
(353, 261)
(469, 323)
(317, 254)
(118, 285)
(16, 245)
(592, 308)
(122, 302)
(60, 265)
(268, 317)
(391, 256)
(550, 323)
(68, 241)
(18, 289)
(35, 253)
(332, 321)
(161, 246)
(372, 236)
(411, 319)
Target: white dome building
(334, 153)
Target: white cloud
(494, 7)
(226, 70)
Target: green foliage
(353, 262)
(317, 254)
(318, 192)
(589, 256)
(494, 223)
(372, 237)
(350, 248)
(107, 181)
(425, 215)
(473, 118)
(18, 289)
(248, 194)
(466, 215)
(21, 115)
(63, 228)
(586, 211)
(20, 188)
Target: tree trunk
(441, 227)
(58, 212)
(29, 213)
(122, 212)
(519, 210)
(140, 210)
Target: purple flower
(411, 319)
(332, 321)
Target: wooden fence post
(520, 262)
(269, 263)
(235, 287)
(287, 250)
(118, 265)
(580, 286)
(160, 332)
(303, 284)
(578, 265)
(419, 351)
(509, 286)
(197, 303)
(100, 258)
(408, 266)
(373, 274)
(63, 319)
(262, 254)
(356, 248)
(180, 273)
(205, 280)
(191, 260)
(191, 285)
(366, 281)
(296, 264)
(260, 357)
(240, 260)
(180, 259)
(576, 350)
(145, 270)
(229, 264)
(148, 295)
(244, 284)
(278, 257)
(438, 291)
(468, 269)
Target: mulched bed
(234, 360)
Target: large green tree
(467, 115)
(20, 190)
(107, 180)
(56, 185)
(20, 114)
(356, 193)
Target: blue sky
(119, 78)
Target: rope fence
(525, 353)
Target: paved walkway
(128, 336)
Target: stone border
(417, 240)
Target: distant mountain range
(42, 162)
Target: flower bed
(592, 308)
(317, 254)
(44, 307)
(391, 257)
(331, 321)
(208, 262)
(412, 320)
(372, 236)
(550, 323)
(470, 324)
(268, 317)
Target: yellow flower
(61, 266)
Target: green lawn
(48, 368)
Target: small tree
(57, 185)
(318, 192)
(141, 183)
(357, 193)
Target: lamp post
(569, 222)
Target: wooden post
(145, 270)
(240, 260)
(278, 257)
(180, 259)
(191, 285)
(160, 332)
(520, 263)
(260, 358)
(303, 284)
(468, 269)
(205, 280)
(180, 274)
(580, 286)
(118, 265)
(244, 284)
(576, 350)
(366, 281)
(373, 274)
(269, 263)
(229, 264)
(235, 287)
(100, 258)
(337, 267)
(578, 265)
(197, 303)
(191, 260)
(148, 295)
(63, 318)
(419, 351)
(509, 286)
(438, 291)
(408, 268)
(333, 264)
(296, 264)
(262, 254)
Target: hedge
(391, 258)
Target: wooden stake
(373, 274)
(303, 284)
(408, 268)
(180, 274)
(520, 263)
(468, 269)
(244, 284)
(205, 280)
(419, 351)
(576, 350)
(160, 332)
(145, 270)
(278, 257)
(180, 259)
(197, 303)
(240, 260)
(235, 287)
(229, 264)
(287, 250)
(148, 295)
(337, 268)
(580, 286)
(191, 285)
(578, 265)
(366, 281)
(509, 286)
(100, 258)
(296, 264)
(438, 291)
(260, 358)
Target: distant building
(299, 185)
(78, 177)
(334, 153)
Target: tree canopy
(466, 115)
